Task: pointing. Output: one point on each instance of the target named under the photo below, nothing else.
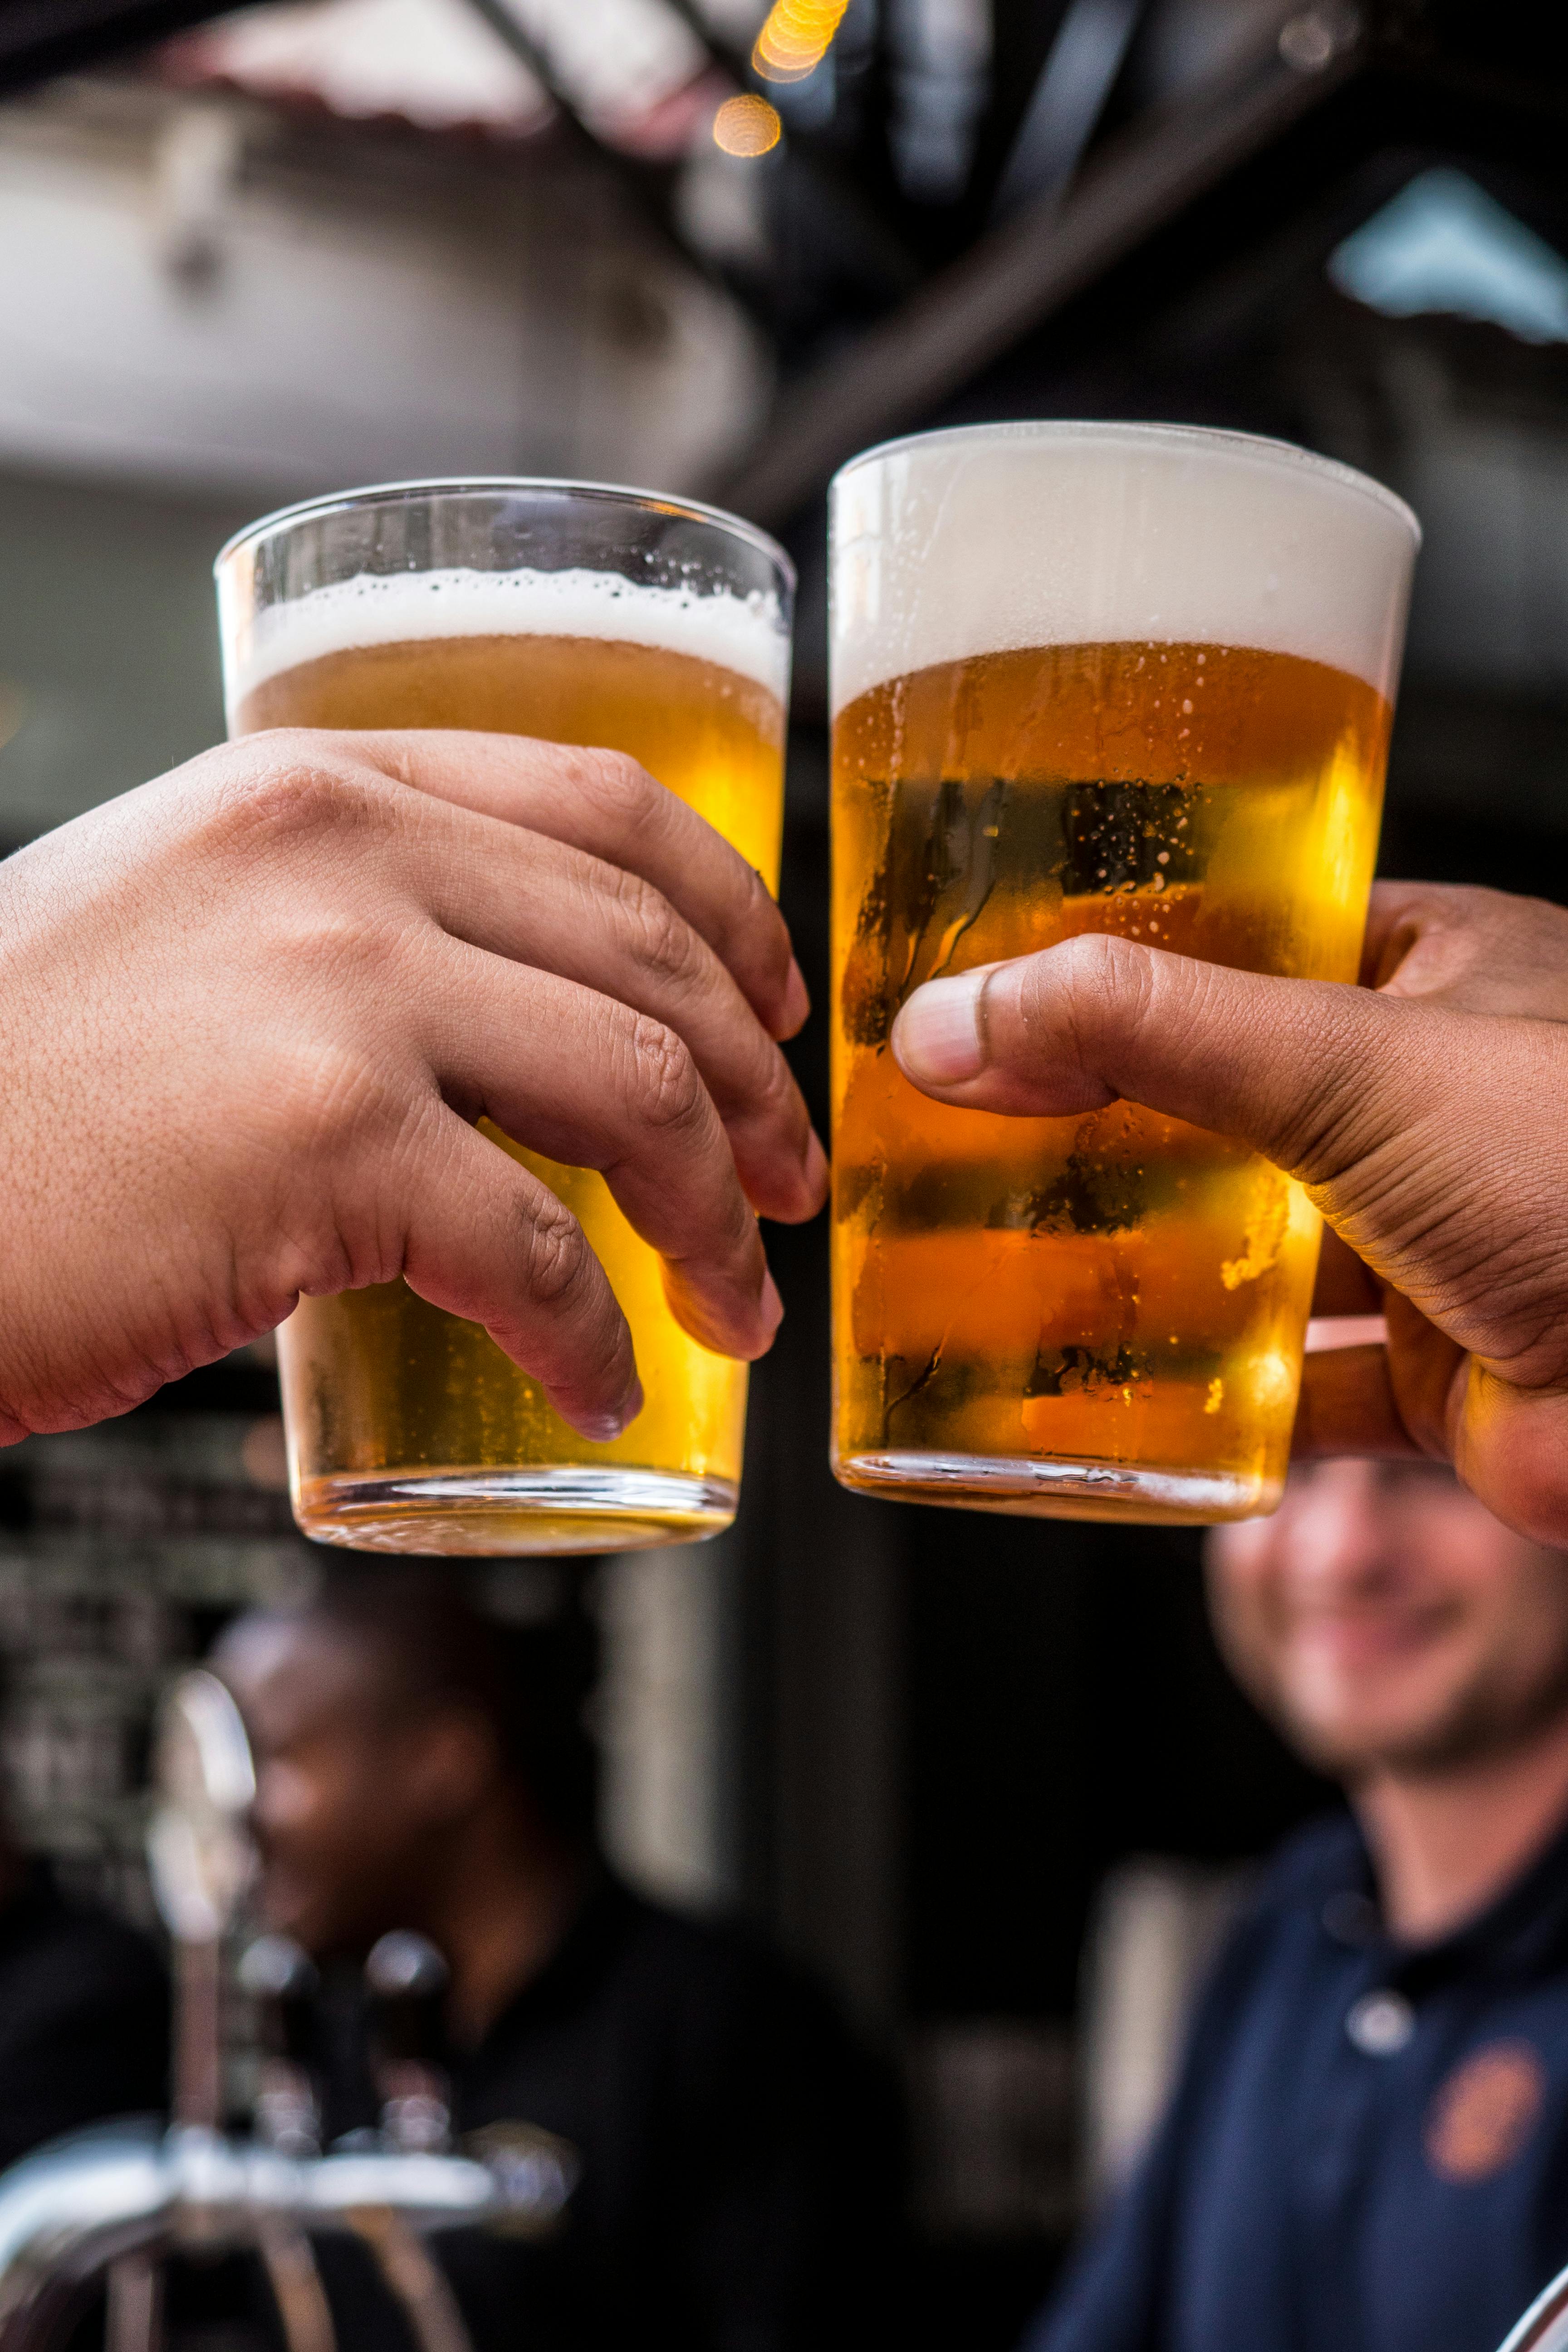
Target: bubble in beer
(411, 1427)
(1018, 651)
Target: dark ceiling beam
(41, 38)
(507, 25)
(1049, 250)
(1063, 110)
(509, 30)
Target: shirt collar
(1521, 1932)
(588, 1949)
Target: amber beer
(408, 1428)
(1123, 679)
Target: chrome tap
(70, 2210)
(115, 2200)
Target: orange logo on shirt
(1482, 2117)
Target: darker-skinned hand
(1424, 1112)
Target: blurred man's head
(388, 1720)
(1387, 1621)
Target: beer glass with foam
(1087, 677)
(584, 616)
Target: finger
(542, 903)
(486, 1240)
(1311, 1072)
(1347, 1406)
(1345, 1284)
(1481, 950)
(581, 1079)
(1393, 1399)
(1429, 1374)
(1399, 916)
(603, 802)
(1511, 1450)
(1399, 1115)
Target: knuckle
(620, 785)
(283, 789)
(556, 1257)
(670, 1094)
(662, 940)
(1101, 979)
(348, 948)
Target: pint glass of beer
(1087, 677)
(583, 615)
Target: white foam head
(998, 536)
(744, 634)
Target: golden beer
(408, 1428)
(1099, 1315)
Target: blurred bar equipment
(111, 2203)
(1544, 2326)
(407, 1978)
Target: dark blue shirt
(1367, 2148)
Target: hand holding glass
(584, 616)
(1118, 678)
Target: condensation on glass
(1118, 678)
(584, 616)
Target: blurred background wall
(987, 1773)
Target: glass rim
(607, 493)
(1053, 428)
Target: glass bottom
(1132, 1492)
(495, 1514)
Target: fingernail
(772, 1305)
(939, 1038)
(816, 1167)
(600, 1428)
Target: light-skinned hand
(1425, 1112)
(251, 1014)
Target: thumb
(1314, 1074)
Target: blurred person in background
(84, 2011)
(1367, 2146)
(420, 1765)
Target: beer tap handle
(415, 2278)
(134, 2318)
(296, 2283)
(200, 1856)
(280, 1977)
(407, 1978)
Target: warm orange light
(795, 37)
(746, 126)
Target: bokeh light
(746, 125)
(795, 37)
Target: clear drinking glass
(1087, 677)
(582, 614)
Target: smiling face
(1386, 1620)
